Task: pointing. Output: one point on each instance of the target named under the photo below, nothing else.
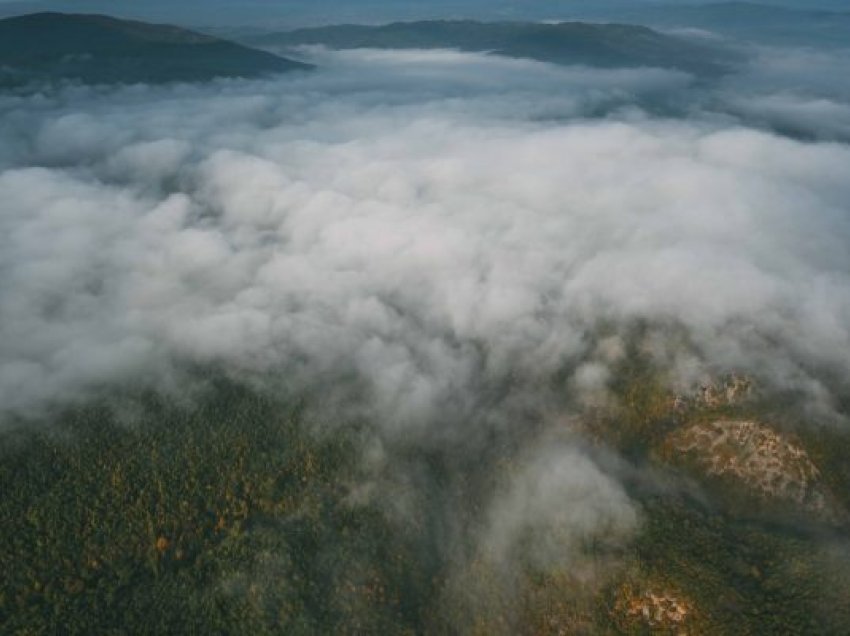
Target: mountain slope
(605, 45)
(101, 49)
(761, 23)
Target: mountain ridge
(96, 48)
(606, 45)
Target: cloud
(427, 240)
(426, 221)
(792, 91)
(557, 506)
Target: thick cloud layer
(427, 223)
(429, 239)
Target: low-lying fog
(444, 232)
(425, 221)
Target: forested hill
(606, 45)
(101, 49)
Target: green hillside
(238, 513)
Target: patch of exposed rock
(654, 608)
(769, 463)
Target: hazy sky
(283, 13)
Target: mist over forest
(442, 328)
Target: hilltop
(101, 49)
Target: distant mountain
(607, 45)
(746, 20)
(772, 25)
(101, 49)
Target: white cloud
(425, 239)
(427, 221)
(555, 507)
